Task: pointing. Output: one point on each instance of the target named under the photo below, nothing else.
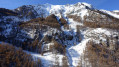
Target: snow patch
(110, 13)
(75, 52)
(115, 10)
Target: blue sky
(99, 4)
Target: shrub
(99, 56)
(52, 19)
(113, 25)
(63, 21)
(58, 47)
(74, 17)
(65, 62)
(12, 57)
(66, 26)
(32, 46)
(49, 21)
(98, 19)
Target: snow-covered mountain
(51, 32)
(48, 9)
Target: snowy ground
(48, 59)
(74, 52)
(110, 13)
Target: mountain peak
(84, 4)
(88, 5)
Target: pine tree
(65, 62)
